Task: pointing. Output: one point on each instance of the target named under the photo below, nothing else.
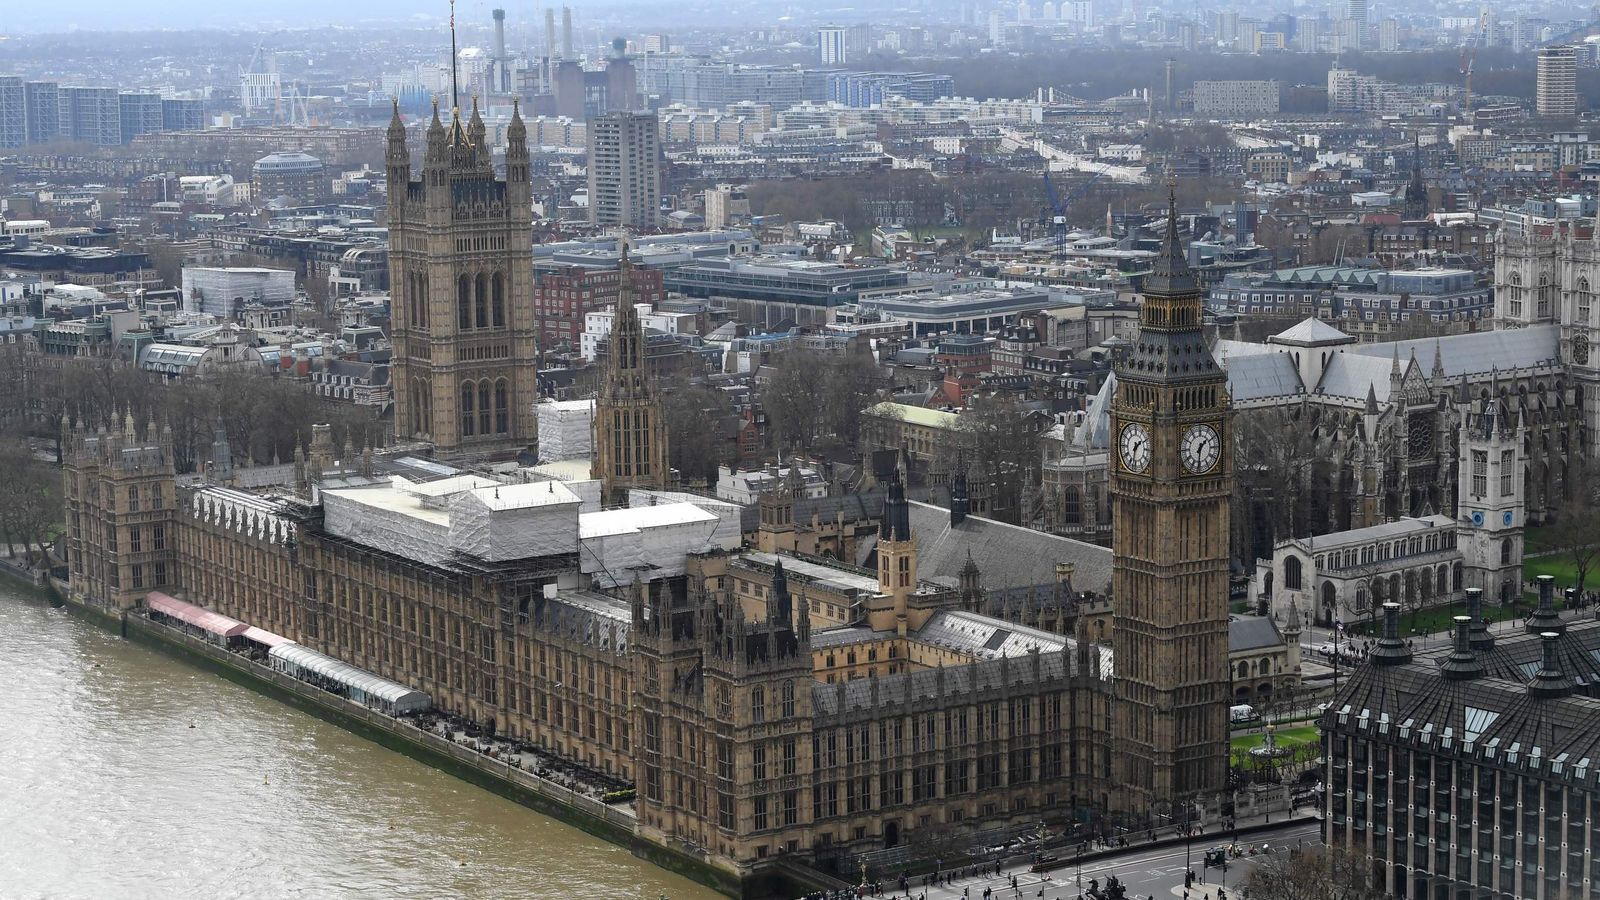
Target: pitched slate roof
(1253, 633)
(1310, 332)
(1261, 376)
(1005, 554)
(1476, 352)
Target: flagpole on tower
(455, 95)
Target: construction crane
(1469, 55)
(1059, 204)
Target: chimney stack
(1481, 638)
(566, 32)
(501, 63)
(1391, 650)
(1550, 680)
(1462, 663)
(1545, 618)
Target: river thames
(126, 773)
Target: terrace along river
(126, 773)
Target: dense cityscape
(1092, 449)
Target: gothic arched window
(498, 299)
(467, 397)
(1514, 294)
(1542, 298)
(481, 301)
(501, 408)
(1073, 504)
(1585, 301)
(485, 411)
(463, 302)
(1291, 573)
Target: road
(1153, 872)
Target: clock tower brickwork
(1171, 488)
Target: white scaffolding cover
(565, 429)
(429, 522)
(648, 542)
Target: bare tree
(694, 415)
(1577, 531)
(997, 447)
(1317, 873)
(795, 398)
(30, 502)
(1275, 455)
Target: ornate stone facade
(118, 494)
(630, 437)
(1171, 486)
(461, 288)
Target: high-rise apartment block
(42, 105)
(1235, 98)
(831, 47)
(624, 170)
(13, 112)
(183, 115)
(140, 112)
(1556, 89)
(92, 115)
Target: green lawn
(1287, 737)
(1442, 618)
(1561, 566)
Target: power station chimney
(550, 33)
(566, 32)
(501, 65)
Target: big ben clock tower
(1171, 485)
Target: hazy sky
(27, 16)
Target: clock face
(1134, 447)
(1201, 448)
(1477, 517)
(1506, 517)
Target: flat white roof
(626, 521)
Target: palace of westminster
(763, 700)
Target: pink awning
(204, 619)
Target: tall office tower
(831, 48)
(624, 170)
(1357, 11)
(1171, 490)
(43, 102)
(92, 115)
(140, 113)
(630, 437)
(1556, 88)
(13, 112)
(461, 286)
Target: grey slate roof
(1261, 376)
(1351, 374)
(985, 636)
(1253, 633)
(1475, 353)
(1005, 554)
(1312, 332)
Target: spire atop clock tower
(1171, 487)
